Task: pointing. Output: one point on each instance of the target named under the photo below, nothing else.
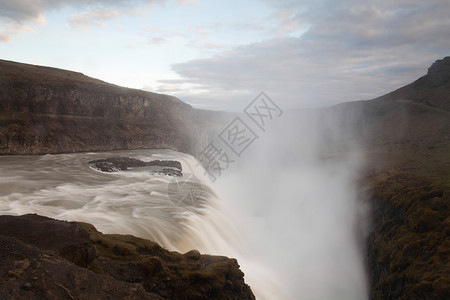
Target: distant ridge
(415, 115)
(432, 89)
(49, 110)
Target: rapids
(281, 246)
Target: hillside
(431, 90)
(48, 110)
(408, 129)
(406, 140)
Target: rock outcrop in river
(117, 164)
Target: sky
(221, 54)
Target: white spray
(285, 211)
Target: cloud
(20, 10)
(207, 37)
(151, 30)
(10, 28)
(97, 17)
(288, 23)
(352, 50)
(157, 36)
(206, 45)
(95, 12)
(201, 30)
(4, 38)
(23, 10)
(185, 2)
(169, 87)
(158, 40)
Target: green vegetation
(169, 274)
(409, 250)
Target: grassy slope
(408, 183)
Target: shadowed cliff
(406, 140)
(48, 110)
(408, 183)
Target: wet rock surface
(116, 164)
(27, 272)
(46, 258)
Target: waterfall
(289, 222)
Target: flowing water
(291, 226)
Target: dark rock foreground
(43, 258)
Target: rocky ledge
(117, 164)
(43, 258)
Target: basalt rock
(64, 239)
(171, 172)
(46, 258)
(28, 272)
(116, 164)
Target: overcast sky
(221, 54)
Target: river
(291, 235)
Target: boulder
(116, 164)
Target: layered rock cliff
(48, 110)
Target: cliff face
(47, 110)
(406, 137)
